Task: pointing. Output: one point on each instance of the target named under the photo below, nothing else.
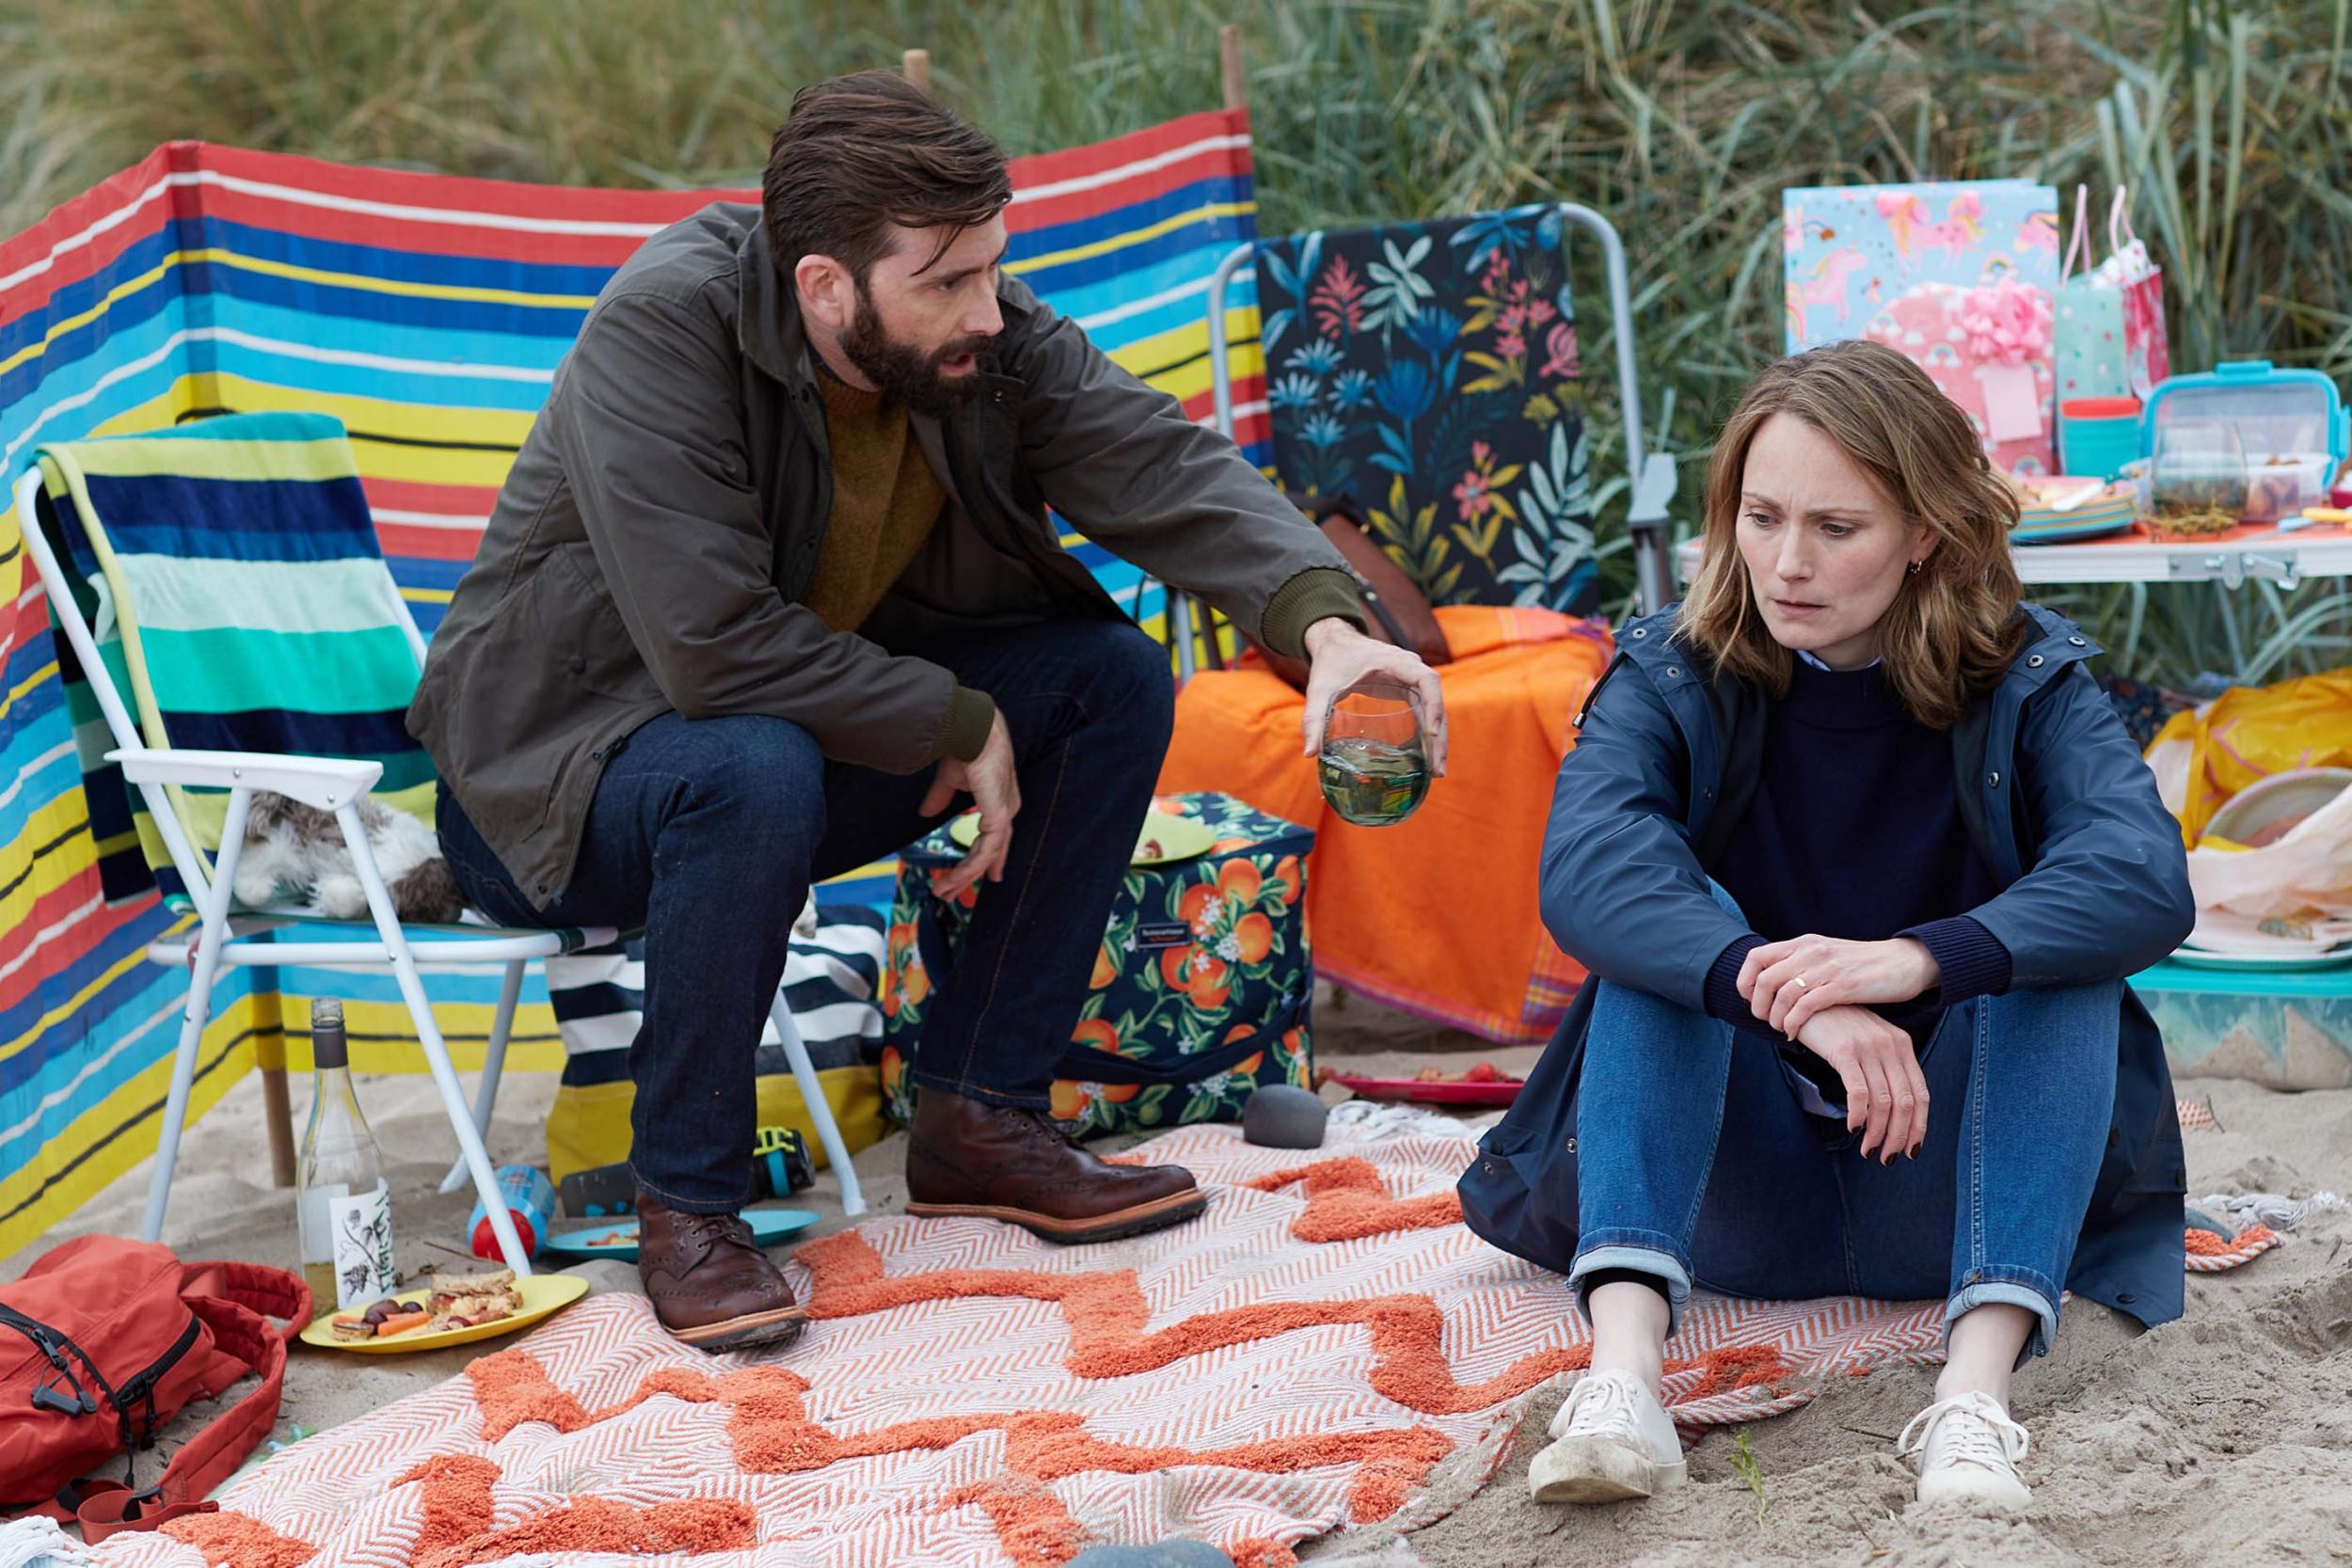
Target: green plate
(2262, 963)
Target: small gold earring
(1914, 567)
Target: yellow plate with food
(1165, 837)
(454, 1310)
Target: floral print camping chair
(1428, 372)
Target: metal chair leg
(199, 1009)
(492, 1064)
(819, 1109)
(453, 1105)
(213, 931)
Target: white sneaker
(1614, 1440)
(1968, 1451)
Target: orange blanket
(1438, 914)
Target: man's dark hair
(866, 151)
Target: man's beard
(906, 375)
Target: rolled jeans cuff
(1642, 1251)
(2023, 1287)
(1020, 1100)
(679, 1205)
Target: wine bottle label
(314, 1226)
(361, 1226)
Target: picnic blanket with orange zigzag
(1321, 1352)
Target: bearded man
(772, 589)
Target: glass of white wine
(1374, 764)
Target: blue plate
(769, 1227)
(2059, 528)
(2103, 511)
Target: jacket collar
(2055, 643)
(767, 316)
(2045, 656)
(1717, 721)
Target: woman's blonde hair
(1953, 628)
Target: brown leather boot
(1001, 1162)
(710, 1283)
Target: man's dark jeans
(709, 832)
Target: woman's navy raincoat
(2063, 812)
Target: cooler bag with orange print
(1201, 990)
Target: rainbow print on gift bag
(1957, 277)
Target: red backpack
(102, 1342)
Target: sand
(2224, 1438)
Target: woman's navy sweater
(1854, 830)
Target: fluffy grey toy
(1280, 1116)
(294, 853)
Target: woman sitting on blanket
(1858, 857)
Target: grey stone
(1280, 1116)
(2199, 1220)
(1168, 1554)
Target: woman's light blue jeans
(1696, 1163)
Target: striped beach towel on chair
(230, 576)
(832, 980)
(229, 571)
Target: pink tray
(1499, 1092)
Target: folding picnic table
(2249, 552)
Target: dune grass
(1681, 120)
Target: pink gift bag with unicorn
(1959, 277)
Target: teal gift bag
(1201, 990)
(2093, 348)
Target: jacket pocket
(583, 630)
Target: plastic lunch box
(2290, 428)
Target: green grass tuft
(1744, 1465)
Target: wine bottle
(344, 1215)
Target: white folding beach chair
(225, 935)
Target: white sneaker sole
(1978, 1489)
(1599, 1470)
